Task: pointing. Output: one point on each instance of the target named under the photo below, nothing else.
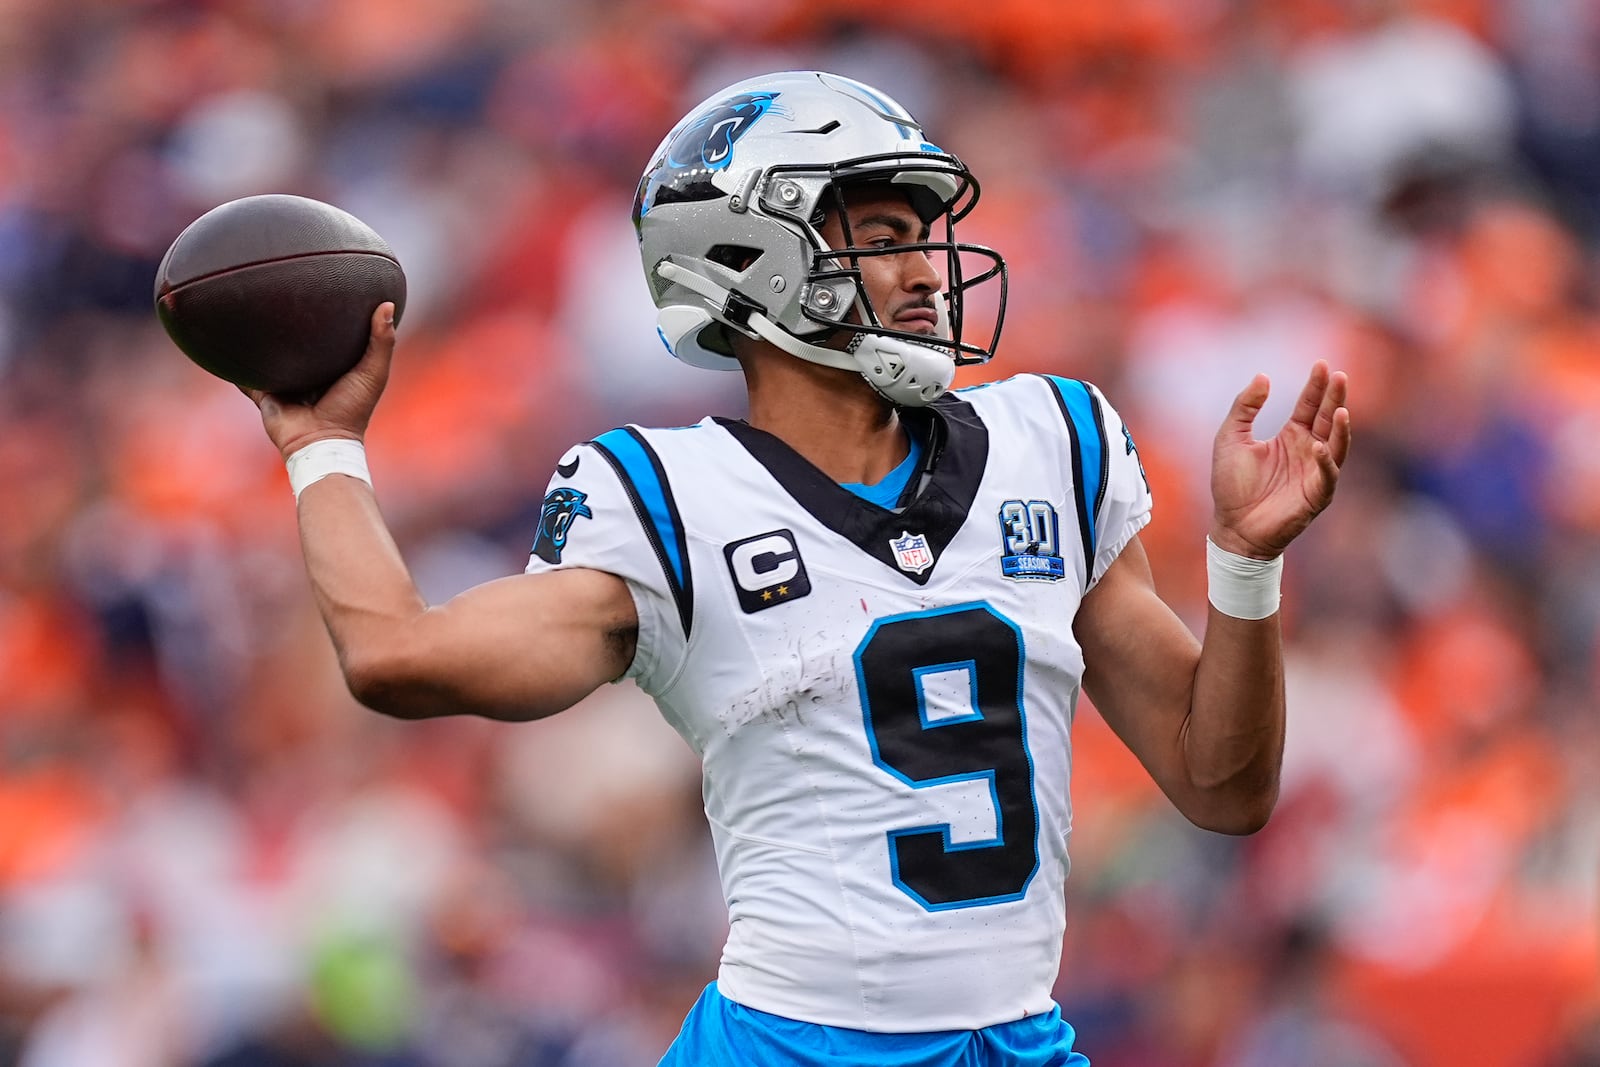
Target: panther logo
(708, 141)
(702, 147)
(555, 518)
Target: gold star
(783, 590)
(766, 594)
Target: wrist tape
(1242, 587)
(333, 455)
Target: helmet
(728, 212)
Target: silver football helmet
(728, 212)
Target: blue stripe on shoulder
(1086, 428)
(642, 475)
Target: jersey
(881, 698)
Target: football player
(869, 606)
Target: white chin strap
(903, 372)
(906, 373)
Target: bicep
(1139, 664)
(520, 647)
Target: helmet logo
(709, 139)
(702, 147)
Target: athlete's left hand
(1265, 492)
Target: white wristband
(1242, 587)
(333, 455)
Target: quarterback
(869, 606)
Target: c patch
(767, 570)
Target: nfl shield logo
(911, 552)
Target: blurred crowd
(211, 857)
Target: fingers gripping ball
(276, 292)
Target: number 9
(891, 663)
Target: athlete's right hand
(345, 407)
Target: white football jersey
(881, 699)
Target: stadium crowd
(211, 857)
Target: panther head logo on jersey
(561, 506)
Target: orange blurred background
(211, 857)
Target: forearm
(519, 647)
(358, 578)
(516, 648)
(1232, 736)
(1205, 718)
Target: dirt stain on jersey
(806, 681)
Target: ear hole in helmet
(737, 258)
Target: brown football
(276, 292)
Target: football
(276, 292)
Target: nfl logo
(911, 552)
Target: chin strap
(904, 372)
